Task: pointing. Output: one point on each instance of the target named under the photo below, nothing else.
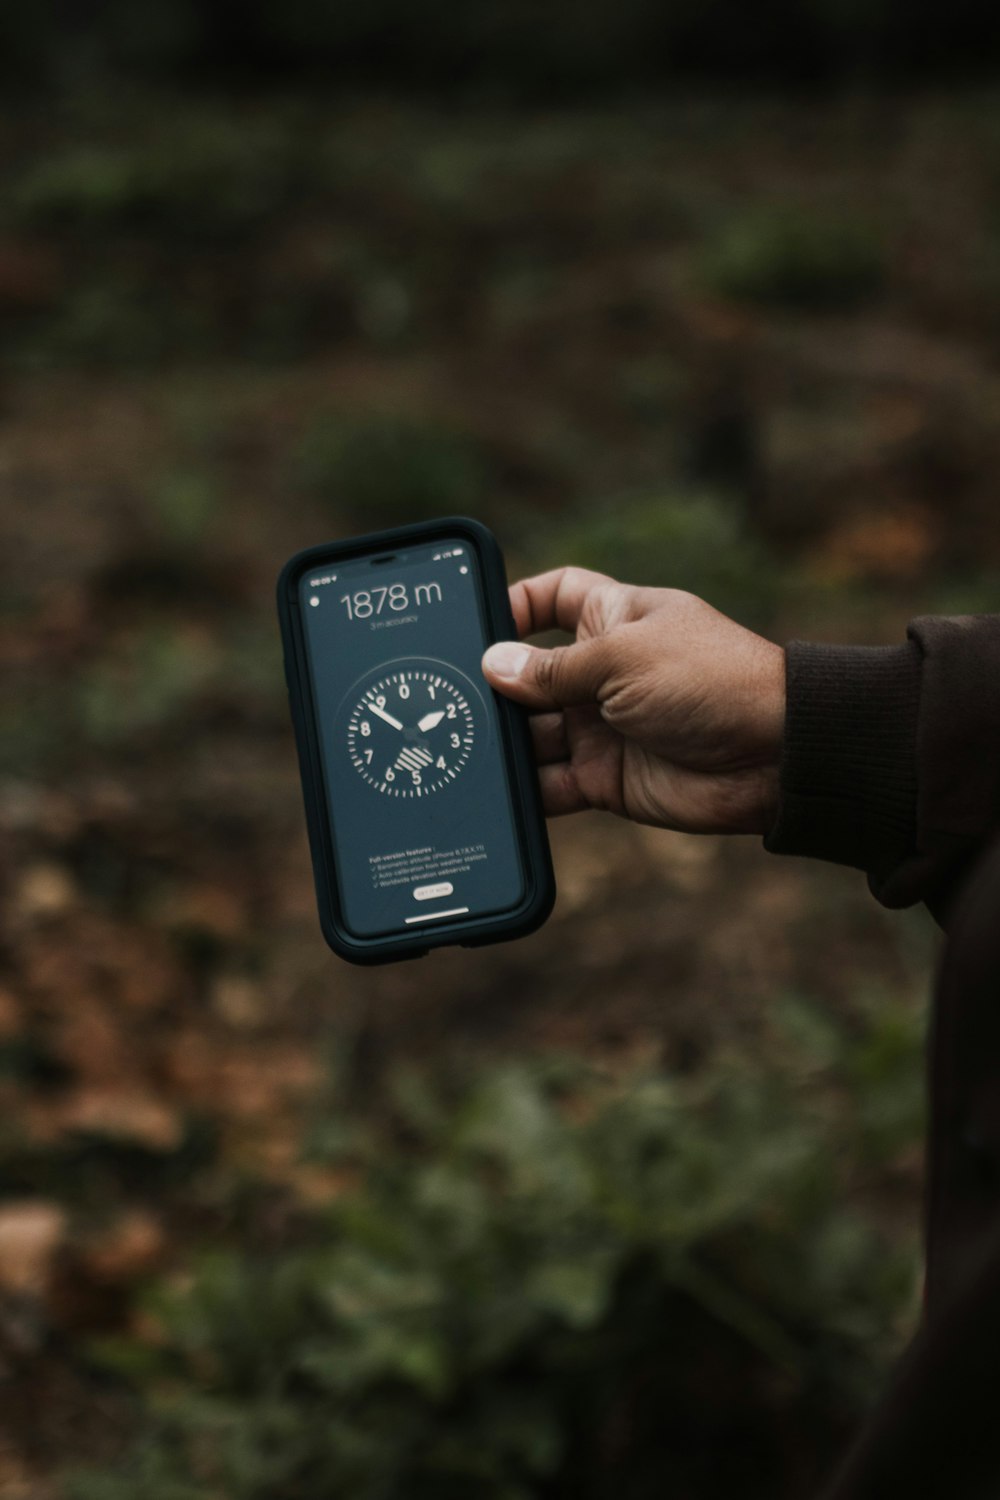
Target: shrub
(697, 542)
(384, 470)
(205, 177)
(785, 257)
(148, 679)
(559, 1286)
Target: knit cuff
(959, 744)
(848, 774)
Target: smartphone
(421, 791)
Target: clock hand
(430, 720)
(374, 708)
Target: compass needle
(374, 708)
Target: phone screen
(416, 780)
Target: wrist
(769, 705)
(770, 697)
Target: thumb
(555, 678)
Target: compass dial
(410, 733)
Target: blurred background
(702, 295)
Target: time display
(411, 732)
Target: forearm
(891, 759)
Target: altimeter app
(416, 783)
(431, 729)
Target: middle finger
(548, 732)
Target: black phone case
(533, 838)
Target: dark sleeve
(934, 1431)
(892, 757)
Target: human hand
(663, 710)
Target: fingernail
(507, 658)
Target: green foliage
(155, 679)
(697, 542)
(206, 175)
(466, 1321)
(148, 678)
(183, 502)
(651, 387)
(383, 470)
(973, 593)
(123, 321)
(84, 188)
(33, 729)
(784, 256)
(888, 1078)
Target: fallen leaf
(31, 1231)
(10, 1013)
(45, 890)
(127, 1116)
(238, 1001)
(127, 1249)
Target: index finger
(553, 600)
